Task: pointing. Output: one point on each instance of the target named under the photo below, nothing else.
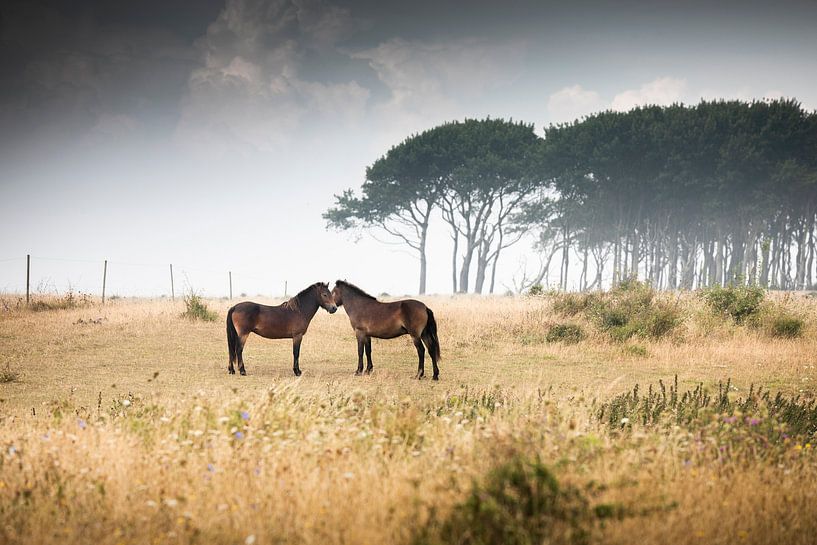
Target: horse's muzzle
(332, 310)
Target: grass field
(119, 424)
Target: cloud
(433, 82)
(662, 92)
(571, 103)
(250, 93)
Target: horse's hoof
(419, 376)
(243, 373)
(358, 373)
(435, 377)
(231, 371)
(297, 372)
(369, 371)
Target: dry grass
(122, 426)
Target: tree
(494, 173)
(401, 190)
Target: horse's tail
(429, 335)
(232, 335)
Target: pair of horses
(368, 316)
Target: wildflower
(126, 402)
(211, 468)
(81, 423)
(12, 450)
(239, 435)
(250, 539)
(245, 416)
(625, 421)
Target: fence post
(172, 289)
(104, 278)
(285, 289)
(28, 277)
(231, 284)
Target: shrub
(518, 503)
(565, 333)
(66, 301)
(636, 350)
(670, 406)
(197, 309)
(8, 375)
(630, 310)
(738, 302)
(786, 327)
(571, 304)
(536, 290)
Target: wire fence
(33, 275)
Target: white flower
(126, 403)
(625, 421)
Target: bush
(8, 375)
(740, 303)
(697, 407)
(518, 503)
(61, 302)
(197, 309)
(630, 310)
(786, 327)
(571, 304)
(636, 350)
(565, 333)
(536, 290)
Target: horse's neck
(308, 305)
(358, 303)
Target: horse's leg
(239, 352)
(361, 343)
(296, 352)
(436, 375)
(421, 356)
(368, 347)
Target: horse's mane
(355, 289)
(293, 303)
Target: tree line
(680, 196)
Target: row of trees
(680, 196)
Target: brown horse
(288, 320)
(371, 318)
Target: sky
(212, 135)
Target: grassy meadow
(120, 425)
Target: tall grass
(130, 431)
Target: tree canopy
(681, 196)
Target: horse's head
(325, 298)
(337, 296)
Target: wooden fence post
(231, 284)
(172, 289)
(104, 278)
(28, 277)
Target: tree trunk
(456, 237)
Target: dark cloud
(72, 68)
